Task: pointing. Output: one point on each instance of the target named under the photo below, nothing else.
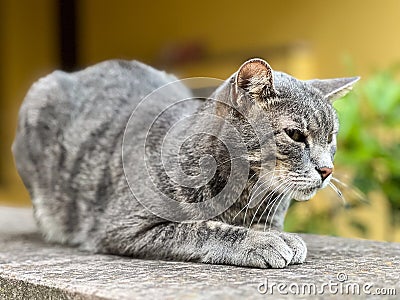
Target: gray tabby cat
(68, 153)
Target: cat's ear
(333, 89)
(256, 78)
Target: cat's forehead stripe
(327, 119)
(318, 117)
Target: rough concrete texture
(32, 269)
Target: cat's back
(68, 142)
(75, 106)
(101, 87)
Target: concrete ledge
(32, 269)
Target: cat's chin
(304, 196)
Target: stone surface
(32, 269)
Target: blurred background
(307, 39)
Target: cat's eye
(296, 135)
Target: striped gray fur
(68, 153)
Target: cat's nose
(324, 172)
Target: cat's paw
(297, 245)
(273, 249)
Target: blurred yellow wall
(366, 31)
(28, 44)
(330, 33)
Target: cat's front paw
(297, 245)
(273, 249)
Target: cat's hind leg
(39, 153)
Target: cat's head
(302, 119)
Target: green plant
(369, 137)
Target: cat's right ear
(255, 77)
(333, 89)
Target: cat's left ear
(333, 89)
(256, 78)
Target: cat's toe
(297, 245)
(269, 251)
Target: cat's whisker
(338, 192)
(248, 203)
(251, 197)
(282, 196)
(270, 204)
(278, 182)
(258, 207)
(253, 191)
(267, 198)
(358, 194)
(246, 206)
(288, 194)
